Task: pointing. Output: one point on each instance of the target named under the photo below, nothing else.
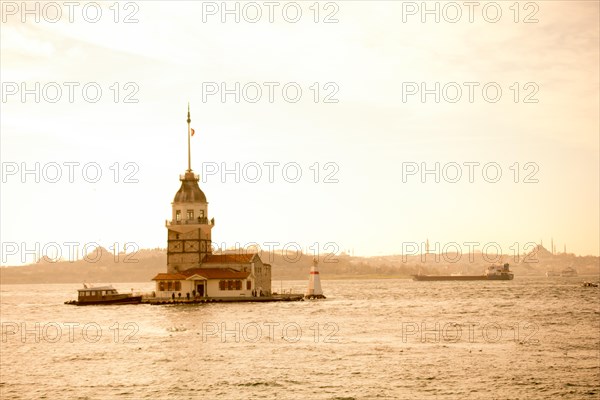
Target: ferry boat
(89, 296)
(492, 273)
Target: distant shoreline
(147, 263)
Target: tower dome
(189, 192)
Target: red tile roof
(217, 273)
(229, 258)
(208, 273)
(172, 277)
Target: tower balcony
(189, 176)
(195, 221)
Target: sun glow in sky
(357, 132)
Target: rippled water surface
(386, 339)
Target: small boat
(552, 273)
(590, 284)
(89, 296)
(493, 273)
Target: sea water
(370, 339)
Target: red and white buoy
(314, 283)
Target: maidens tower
(189, 231)
(314, 283)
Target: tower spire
(189, 134)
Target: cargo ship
(492, 273)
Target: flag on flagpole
(193, 131)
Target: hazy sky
(372, 61)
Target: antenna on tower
(189, 120)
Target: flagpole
(189, 151)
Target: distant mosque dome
(189, 192)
